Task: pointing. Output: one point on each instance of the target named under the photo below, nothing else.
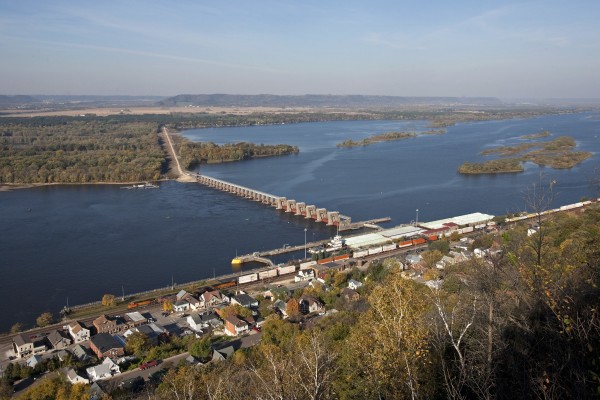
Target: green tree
(431, 257)
(137, 343)
(44, 320)
(200, 348)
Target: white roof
(468, 219)
(401, 231)
(369, 239)
(136, 316)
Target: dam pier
(331, 218)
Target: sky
(523, 49)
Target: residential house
(79, 332)
(235, 326)
(62, 355)
(309, 304)
(33, 361)
(105, 345)
(194, 302)
(104, 324)
(59, 339)
(107, 369)
(280, 306)
(74, 378)
(277, 293)
(304, 275)
(353, 284)
(181, 306)
(153, 331)
(349, 295)
(413, 259)
(211, 298)
(24, 346)
(195, 322)
(244, 300)
(81, 353)
(223, 354)
(135, 319)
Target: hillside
(310, 100)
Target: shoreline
(9, 187)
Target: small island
(557, 154)
(387, 137)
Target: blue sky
(404, 48)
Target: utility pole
(122, 293)
(305, 243)
(417, 219)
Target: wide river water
(79, 242)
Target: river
(79, 242)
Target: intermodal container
(388, 247)
(267, 274)
(287, 270)
(375, 250)
(361, 253)
(342, 257)
(419, 241)
(307, 265)
(247, 278)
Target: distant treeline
(192, 154)
(68, 150)
(103, 149)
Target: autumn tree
(393, 332)
(293, 308)
(16, 328)
(431, 257)
(167, 306)
(44, 319)
(108, 300)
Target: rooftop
(461, 220)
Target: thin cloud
(146, 54)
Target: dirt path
(176, 169)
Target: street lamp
(305, 243)
(417, 220)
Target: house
(59, 339)
(62, 355)
(96, 392)
(309, 304)
(181, 306)
(244, 300)
(74, 378)
(194, 302)
(280, 306)
(153, 331)
(195, 322)
(223, 354)
(104, 324)
(79, 332)
(135, 319)
(277, 293)
(33, 361)
(211, 298)
(235, 326)
(105, 345)
(304, 275)
(105, 370)
(353, 284)
(24, 346)
(349, 295)
(413, 259)
(81, 353)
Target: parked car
(148, 364)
